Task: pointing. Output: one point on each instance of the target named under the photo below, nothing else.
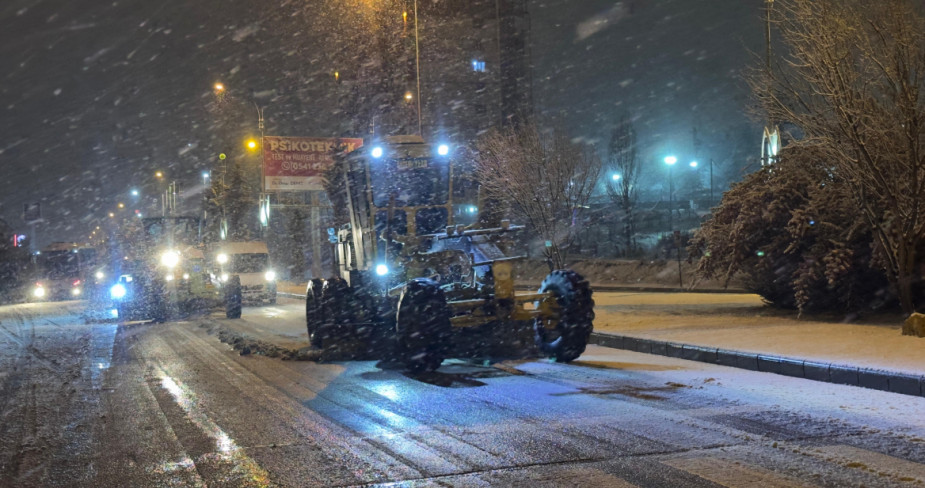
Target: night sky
(96, 96)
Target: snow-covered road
(170, 405)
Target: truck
(62, 271)
(250, 262)
(417, 286)
(165, 272)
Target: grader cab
(414, 283)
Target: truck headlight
(117, 291)
(170, 259)
(270, 275)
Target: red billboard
(298, 163)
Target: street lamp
(670, 161)
(417, 65)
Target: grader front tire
(233, 297)
(576, 314)
(313, 312)
(423, 326)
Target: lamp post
(417, 65)
(670, 161)
(693, 165)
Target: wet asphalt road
(98, 404)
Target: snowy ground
(168, 404)
(743, 322)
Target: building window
(478, 65)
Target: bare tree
(545, 178)
(622, 174)
(851, 83)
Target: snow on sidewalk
(742, 322)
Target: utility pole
(770, 143)
(417, 64)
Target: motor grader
(165, 273)
(415, 285)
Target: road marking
(873, 462)
(732, 474)
(228, 450)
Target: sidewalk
(738, 330)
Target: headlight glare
(117, 291)
(170, 259)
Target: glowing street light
(158, 174)
(251, 144)
(615, 177)
(219, 87)
(693, 164)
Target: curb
(904, 384)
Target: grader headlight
(170, 259)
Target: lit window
(478, 65)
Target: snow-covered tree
(544, 177)
(790, 232)
(621, 175)
(851, 80)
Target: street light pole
(711, 182)
(417, 64)
(670, 160)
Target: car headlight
(39, 291)
(75, 291)
(170, 259)
(222, 258)
(224, 276)
(117, 291)
(270, 275)
(100, 275)
(382, 270)
(169, 277)
(185, 276)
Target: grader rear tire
(576, 314)
(422, 326)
